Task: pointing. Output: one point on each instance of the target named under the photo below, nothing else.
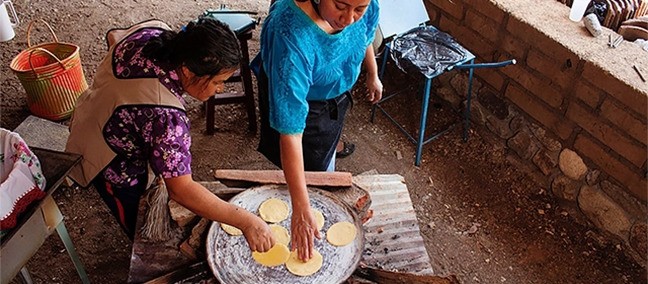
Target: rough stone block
(544, 161)
(493, 103)
(565, 188)
(604, 212)
(459, 83)
(551, 144)
(592, 177)
(523, 145)
(180, 214)
(623, 198)
(572, 165)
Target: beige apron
(97, 104)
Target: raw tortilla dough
(300, 268)
(277, 255)
(341, 233)
(273, 210)
(233, 231)
(319, 218)
(281, 234)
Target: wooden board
(230, 258)
(332, 179)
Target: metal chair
(414, 31)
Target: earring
(316, 1)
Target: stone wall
(572, 111)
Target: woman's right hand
(303, 230)
(258, 235)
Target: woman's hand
(303, 228)
(258, 235)
(374, 88)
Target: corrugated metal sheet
(393, 239)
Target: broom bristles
(157, 224)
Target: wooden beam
(333, 179)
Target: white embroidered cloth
(22, 179)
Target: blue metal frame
(468, 63)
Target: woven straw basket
(52, 76)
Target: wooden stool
(243, 75)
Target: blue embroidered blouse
(304, 63)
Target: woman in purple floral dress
(132, 122)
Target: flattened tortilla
(231, 230)
(273, 210)
(319, 218)
(300, 268)
(281, 234)
(277, 255)
(341, 234)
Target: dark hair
(205, 46)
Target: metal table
(468, 62)
(40, 221)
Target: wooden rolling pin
(340, 179)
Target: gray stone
(639, 238)
(477, 113)
(449, 95)
(601, 210)
(523, 145)
(460, 84)
(493, 103)
(565, 188)
(540, 133)
(629, 203)
(592, 177)
(571, 164)
(517, 123)
(499, 127)
(545, 161)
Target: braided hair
(205, 46)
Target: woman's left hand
(374, 88)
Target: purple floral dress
(144, 135)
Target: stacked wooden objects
(620, 11)
(634, 29)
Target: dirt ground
(482, 219)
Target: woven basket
(52, 76)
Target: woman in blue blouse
(311, 53)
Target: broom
(157, 222)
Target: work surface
(392, 238)
(40, 219)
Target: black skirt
(323, 129)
